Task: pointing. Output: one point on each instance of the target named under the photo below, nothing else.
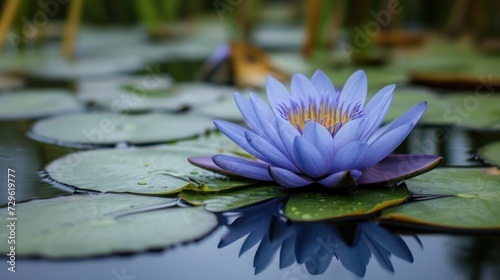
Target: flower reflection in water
(313, 244)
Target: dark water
(439, 256)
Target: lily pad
(152, 170)
(96, 67)
(107, 129)
(91, 225)
(132, 97)
(32, 104)
(474, 201)
(324, 206)
(478, 110)
(232, 199)
(491, 153)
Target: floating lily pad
(234, 198)
(26, 60)
(152, 170)
(323, 206)
(32, 104)
(96, 67)
(405, 98)
(92, 225)
(106, 129)
(472, 110)
(491, 153)
(140, 96)
(474, 202)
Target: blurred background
(444, 44)
(186, 58)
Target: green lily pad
(472, 110)
(143, 95)
(405, 98)
(92, 225)
(32, 104)
(474, 202)
(152, 170)
(62, 69)
(491, 153)
(324, 206)
(234, 198)
(94, 129)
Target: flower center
(331, 115)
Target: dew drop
(142, 183)
(306, 216)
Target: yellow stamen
(323, 115)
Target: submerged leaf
(93, 225)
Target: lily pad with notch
(156, 170)
(86, 225)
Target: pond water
(435, 256)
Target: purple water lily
(318, 134)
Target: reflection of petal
(312, 244)
(279, 231)
(253, 238)
(287, 253)
(393, 243)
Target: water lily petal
(207, 163)
(287, 134)
(354, 90)
(272, 154)
(288, 179)
(351, 131)
(320, 138)
(308, 158)
(413, 115)
(378, 97)
(277, 94)
(384, 145)
(323, 84)
(302, 89)
(267, 121)
(243, 167)
(237, 134)
(248, 113)
(348, 156)
(376, 115)
(392, 243)
(342, 179)
(396, 167)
